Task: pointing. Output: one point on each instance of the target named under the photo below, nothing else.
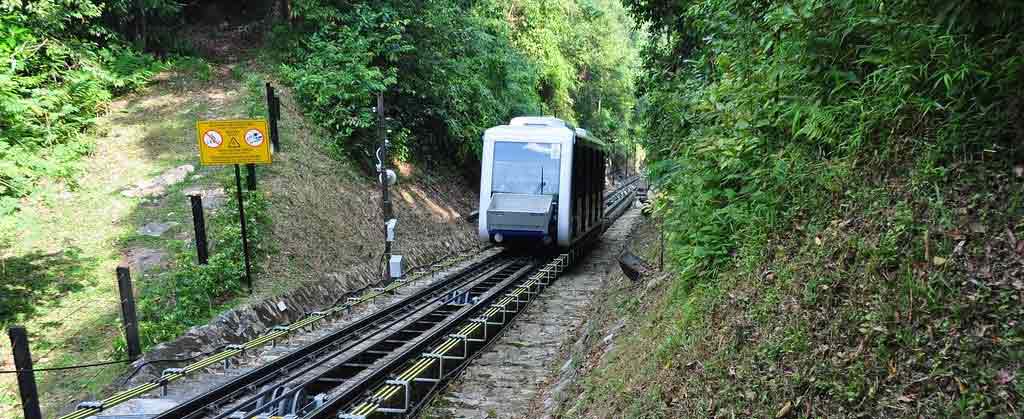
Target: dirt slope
(885, 302)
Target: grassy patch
(190, 294)
(60, 251)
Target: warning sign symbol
(254, 137)
(234, 143)
(212, 139)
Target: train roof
(548, 128)
(539, 121)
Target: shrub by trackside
(56, 78)
(189, 294)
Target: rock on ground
(141, 259)
(155, 229)
(158, 185)
(213, 198)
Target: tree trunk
(281, 12)
(141, 22)
(286, 11)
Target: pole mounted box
(396, 266)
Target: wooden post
(273, 113)
(128, 315)
(26, 377)
(250, 180)
(199, 222)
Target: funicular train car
(541, 184)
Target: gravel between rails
(505, 380)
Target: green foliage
(190, 294)
(60, 69)
(586, 55)
(751, 107)
(333, 72)
(449, 71)
(818, 163)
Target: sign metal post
(236, 142)
(245, 235)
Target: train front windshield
(526, 168)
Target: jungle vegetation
(841, 184)
(448, 69)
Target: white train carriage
(542, 182)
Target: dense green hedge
(753, 106)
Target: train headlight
(499, 238)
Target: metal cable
(69, 367)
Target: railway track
(405, 386)
(387, 363)
(292, 382)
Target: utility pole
(385, 177)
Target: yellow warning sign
(240, 141)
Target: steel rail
(420, 372)
(278, 393)
(382, 400)
(417, 349)
(324, 347)
(86, 410)
(617, 202)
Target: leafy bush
(190, 294)
(753, 108)
(335, 72)
(60, 70)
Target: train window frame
(550, 183)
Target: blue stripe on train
(519, 234)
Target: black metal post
(199, 222)
(383, 177)
(245, 236)
(273, 114)
(26, 377)
(250, 180)
(128, 315)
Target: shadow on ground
(38, 280)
